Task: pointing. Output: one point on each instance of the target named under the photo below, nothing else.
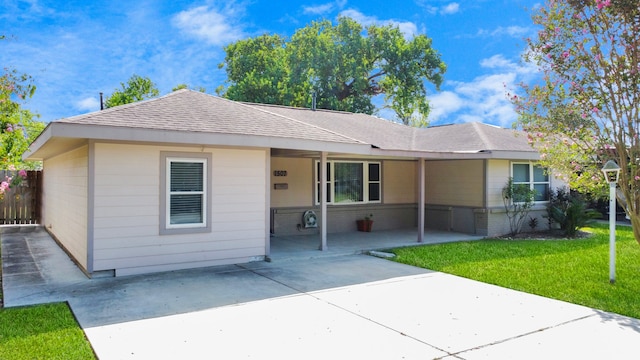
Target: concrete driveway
(351, 306)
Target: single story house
(192, 180)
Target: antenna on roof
(101, 102)
(313, 100)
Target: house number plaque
(280, 173)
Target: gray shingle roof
(384, 134)
(472, 137)
(369, 129)
(191, 111)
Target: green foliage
(518, 200)
(42, 332)
(569, 210)
(185, 86)
(345, 64)
(576, 271)
(18, 126)
(585, 109)
(137, 88)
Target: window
(534, 177)
(185, 197)
(350, 182)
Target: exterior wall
(399, 182)
(454, 194)
(498, 172)
(398, 208)
(127, 206)
(299, 180)
(497, 223)
(64, 201)
(454, 183)
(288, 221)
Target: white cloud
(408, 28)
(88, 104)
(450, 9)
(318, 9)
(484, 98)
(444, 103)
(326, 8)
(500, 62)
(512, 31)
(216, 26)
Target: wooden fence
(21, 203)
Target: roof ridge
(298, 108)
(122, 107)
(483, 136)
(251, 105)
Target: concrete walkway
(336, 307)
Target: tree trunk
(635, 224)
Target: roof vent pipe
(101, 102)
(313, 100)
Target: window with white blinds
(186, 192)
(350, 182)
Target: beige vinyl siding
(299, 180)
(498, 174)
(455, 183)
(64, 201)
(127, 206)
(399, 182)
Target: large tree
(585, 110)
(18, 126)
(137, 88)
(345, 64)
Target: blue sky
(75, 49)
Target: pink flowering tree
(17, 126)
(585, 109)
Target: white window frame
(167, 158)
(331, 181)
(531, 183)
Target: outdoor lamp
(611, 172)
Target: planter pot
(364, 225)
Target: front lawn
(42, 332)
(576, 271)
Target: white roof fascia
(127, 134)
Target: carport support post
(323, 201)
(421, 190)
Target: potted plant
(365, 224)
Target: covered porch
(297, 247)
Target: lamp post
(611, 172)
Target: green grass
(576, 270)
(42, 332)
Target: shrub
(569, 210)
(518, 200)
